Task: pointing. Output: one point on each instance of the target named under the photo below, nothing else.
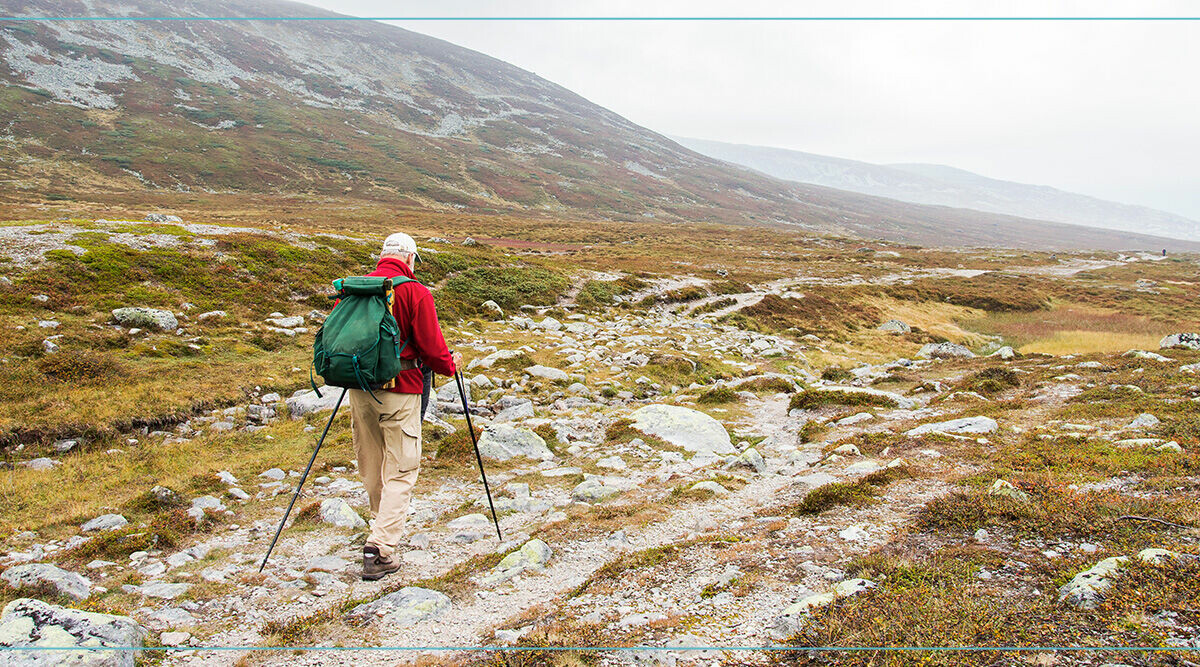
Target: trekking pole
(462, 392)
(301, 482)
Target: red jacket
(418, 322)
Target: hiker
(386, 424)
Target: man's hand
(456, 357)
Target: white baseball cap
(400, 243)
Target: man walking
(387, 427)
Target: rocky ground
(665, 477)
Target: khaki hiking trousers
(387, 441)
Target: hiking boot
(376, 567)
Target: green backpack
(358, 346)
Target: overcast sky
(1108, 109)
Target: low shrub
(79, 367)
(718, 395)
(811, 399)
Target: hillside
(947, 186)
(176, 114)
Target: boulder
(550, 324)
(32, 623)
(337, 512)
(44, 574)
(593, 490)
(491, 359)
(503, 442)
(547, 373)
(146, 318)
(305, 402)
(522, 410)
(1143, 421)
(1006, 352)
(1143, 354)
(162, 217)
(493, 309)
(533, 555)
(1086, 589)
(212, 315)
(104, 522)
(709, 485)
(894, 326)
(1004, 489)
(683, 427)
(469, 528)
(408, 606)
(944, 351)
(286, 322)
(963, 425)
(1189, 341)
(750, 459)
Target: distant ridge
(941, 185)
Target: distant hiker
(1164, 252)
(387, 426)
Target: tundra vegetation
(826, 483)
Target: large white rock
(894, 326)
(547, 373)
(337, 512)
(533, 555)
(32, 623)
(1190, 341)
(503, 442)
(964, 425)
(683, 427)
(408, 606)
(304, 402)
(146, 318)
(40, 574)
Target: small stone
(104, 522)
(337, 512)
(174, 638)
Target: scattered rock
(894, 326)
(44, 574)
(593, 490)
(683, 427)
(1143, 421)
(709, 485)
(332, 564)
(32, 623)
(944, 351)
(1086, 589)
(306, 402)
(408, 606)
(162, 217)
(146, 318)
(286, 322)
(164, 591)
(547, 373)
(1006, 490)
(337, 512)
(492, 308)
(971, 425)
(1006, 352)
(1189, 341)
(212, 315)
(503, 442)
(533, 555)
(104, 522)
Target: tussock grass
(991, 381)
(859, 492)
(812, 399)
(718, 395)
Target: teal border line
(600, 18)
(791, 649)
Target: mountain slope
(370, 112)
(948, 186)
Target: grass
(991, 381)
(1071, 328)
(718, 395)
(1056, 512)
(859, 492)
(812, 399)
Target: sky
(1105, 108)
